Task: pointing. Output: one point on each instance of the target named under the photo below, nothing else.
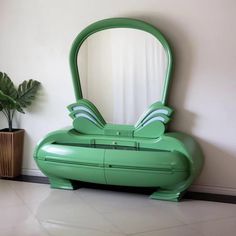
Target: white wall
(35, 38)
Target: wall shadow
(183, 56)
(219, 166)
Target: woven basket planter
(11, 152)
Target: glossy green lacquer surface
(142, 155)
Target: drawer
(72, 162)
(144, 168)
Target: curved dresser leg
(60, 183)
(193, 152)
(167, 195)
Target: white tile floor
(30, 209)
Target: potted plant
(12, 139)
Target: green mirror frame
(117, 23)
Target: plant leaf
(6, 86)
(6, 101)
(19, 108)
(26, 92)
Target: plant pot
(11, 152)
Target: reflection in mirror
(122, 72)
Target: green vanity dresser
(141, 155)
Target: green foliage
(12, 99)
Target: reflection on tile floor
(31, 209)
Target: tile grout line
(212, 220)
(80, 227)
(182, 224)
(162, 229)
(84, 200)
(27, 207)
(104, 217)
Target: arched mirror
(122, 72)
(122, 68)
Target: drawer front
(144, 168)
(71, 162)
(72, 154)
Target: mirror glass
(122, 71)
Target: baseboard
(32, 172)
(213, 190)
(194, 195)
(193, 188)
